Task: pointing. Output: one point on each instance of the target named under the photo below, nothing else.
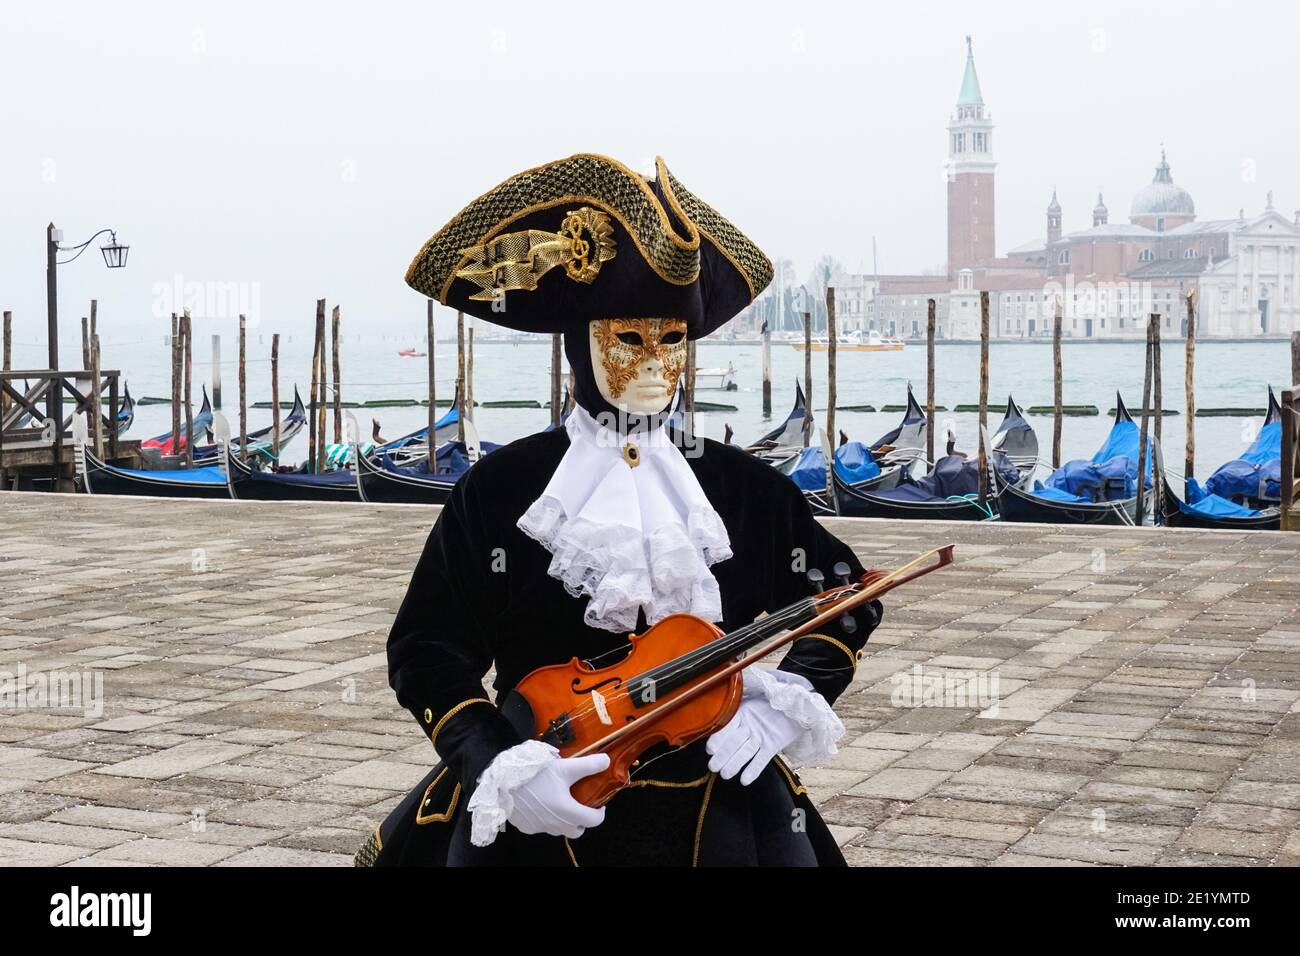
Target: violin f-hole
(577, 681)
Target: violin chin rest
(516, 709)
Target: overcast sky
(309, 154)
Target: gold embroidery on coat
(423, 816)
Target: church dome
(1162, 196)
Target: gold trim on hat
(582, 179)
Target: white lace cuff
(493, 801)
(792, 695)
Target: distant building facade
(1109, 277)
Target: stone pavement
(1090, 696)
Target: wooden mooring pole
(1144, 431)
(275, 396)
(243, 390)
(186, 322)
(929, 379)
(322, 382)
(338, 387)
(469, 372)
(176, 383)
(433, 389)
(807, 373)
(216, 371)
(1057, 318)
(557, 352)
(984, 398)
(460, 375)
(1189, 459)
(312, 456)
(831, 356)
(96, 407)
(767, 370)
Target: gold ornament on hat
(518, 260)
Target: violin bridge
(602, 711)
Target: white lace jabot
(629, 537)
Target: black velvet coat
(481, 597)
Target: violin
(678, 682)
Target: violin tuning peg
(816, 580)
(841, 572)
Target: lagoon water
(1227, 374)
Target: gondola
(787, 439)
(125, 413)
(1100, 490)
(97, 477)
(416, 444)
(880, 466)
(249, 483)
(854, 466)
(1242, 494)
(906, 442)
(1017, 439)
(161, 445)
(382, 480)
(950, 490)
(259, 440)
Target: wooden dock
(1100, 696)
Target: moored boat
(1243, 494)
(1099, 490)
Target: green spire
(970, 83)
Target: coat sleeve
(439, 648)
(829, 656)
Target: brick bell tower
(970, 176)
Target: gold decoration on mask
(622, 360)
(518, 260)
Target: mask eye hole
(630, 338)
(672, 338)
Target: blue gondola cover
(1110, 475)
(1257, 473)
(853, 463)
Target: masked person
(562, 544)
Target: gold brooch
(631, 455)
(518, 260)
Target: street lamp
(114, 258)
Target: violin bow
(861, 593)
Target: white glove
(528, 785)
(779, 712)
(756, 734)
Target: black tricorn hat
(587, 238)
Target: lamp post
(114, 258)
